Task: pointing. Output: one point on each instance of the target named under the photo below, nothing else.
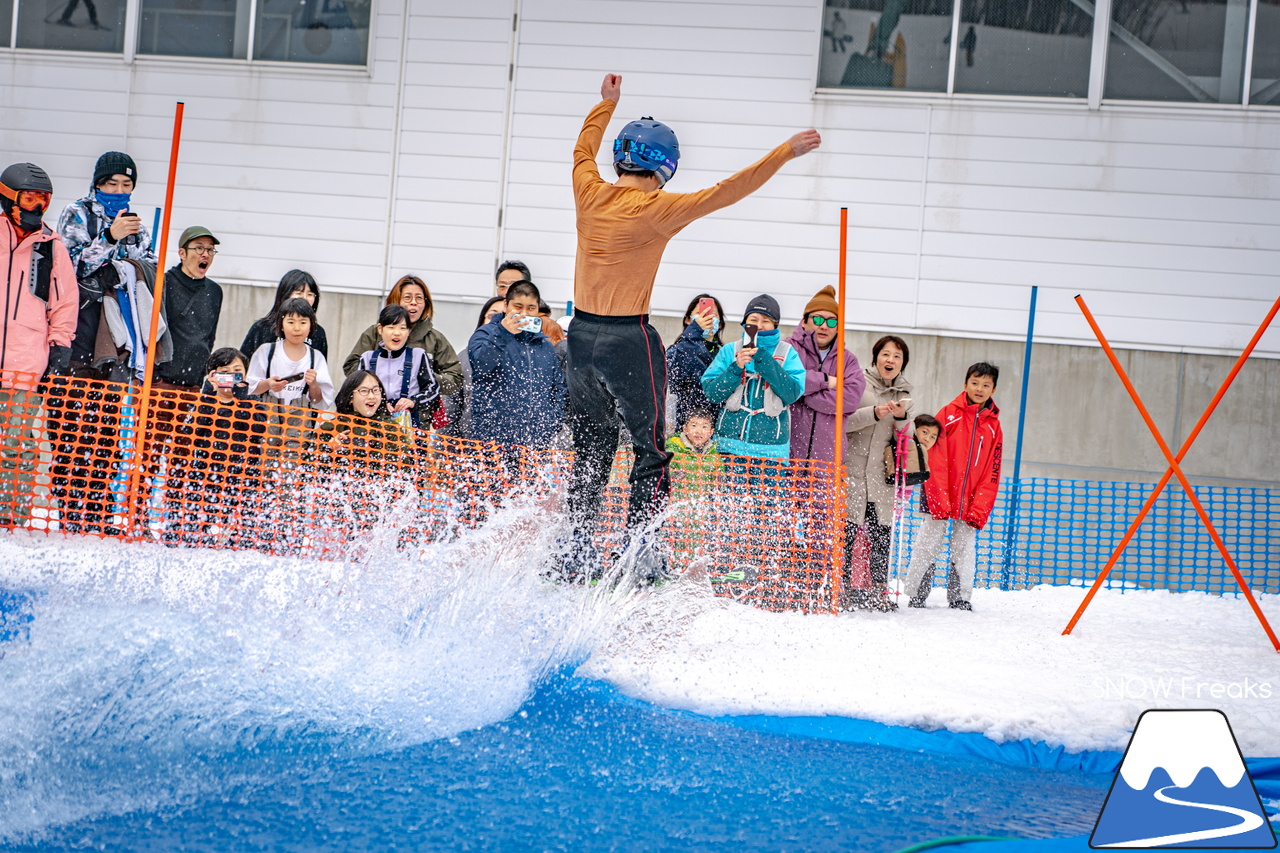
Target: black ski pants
(616, 366)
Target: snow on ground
(480, 606)
(1004, 670)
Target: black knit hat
(114, 163)
(763, 304)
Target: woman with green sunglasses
(813, 416)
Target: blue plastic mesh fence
(1067, 529)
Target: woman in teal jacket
(756, 385)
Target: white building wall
(1162, 216)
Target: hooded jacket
(34, 319)
(687, 359)
(444, 361)
(518, 389)
(747, 432)
(813, 417)
(867, 439)
(964, 464)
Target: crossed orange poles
(1175, 469)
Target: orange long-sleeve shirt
(622, 231)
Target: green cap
(193, 232)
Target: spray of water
(152, 676)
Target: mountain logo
(1183, 784)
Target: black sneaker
(960, 605)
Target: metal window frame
(129, 53)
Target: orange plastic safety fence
(249, 475)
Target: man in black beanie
(98, 229)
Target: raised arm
(685, 208)
(585, 171)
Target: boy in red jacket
(964, 478)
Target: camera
(531, 323)
(227, 380)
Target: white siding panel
(1166, 216)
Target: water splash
(151, 675)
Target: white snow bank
(1004, 670)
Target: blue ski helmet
(647, 146)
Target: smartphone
(227, 380)
(128, 213)
(294, 378)
(749, 335)
(531, 323)
(707, 304)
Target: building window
(1264, 88)
(1158, 50)
(328, 31)
(1024, 47)
(335, 31)
(886, 44)
(323, 31)
(1177, 50)
(90, 25)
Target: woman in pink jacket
(40, 290)
(40, 306)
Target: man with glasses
(40, 297)
(192, 304)
(813, 416)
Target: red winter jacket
(964, 465)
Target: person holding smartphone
(517, 384)
(689, 357)
(97, 230)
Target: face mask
(112, 203)
(709, 334)
(30, 220)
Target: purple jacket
(813, 416)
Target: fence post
(142, 427)
(837, 464)
(1015, 494)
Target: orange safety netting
(251, 475)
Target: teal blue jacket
(747, 433)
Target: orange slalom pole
(1182, 478)
(1168, 474)
(837, 467)
(157, 299)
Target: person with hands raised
(616, 364)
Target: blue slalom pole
(1011, 526)
(155, 229)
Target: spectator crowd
(79, 305)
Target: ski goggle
(34, 200)
(829, 322)
(643, 154)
